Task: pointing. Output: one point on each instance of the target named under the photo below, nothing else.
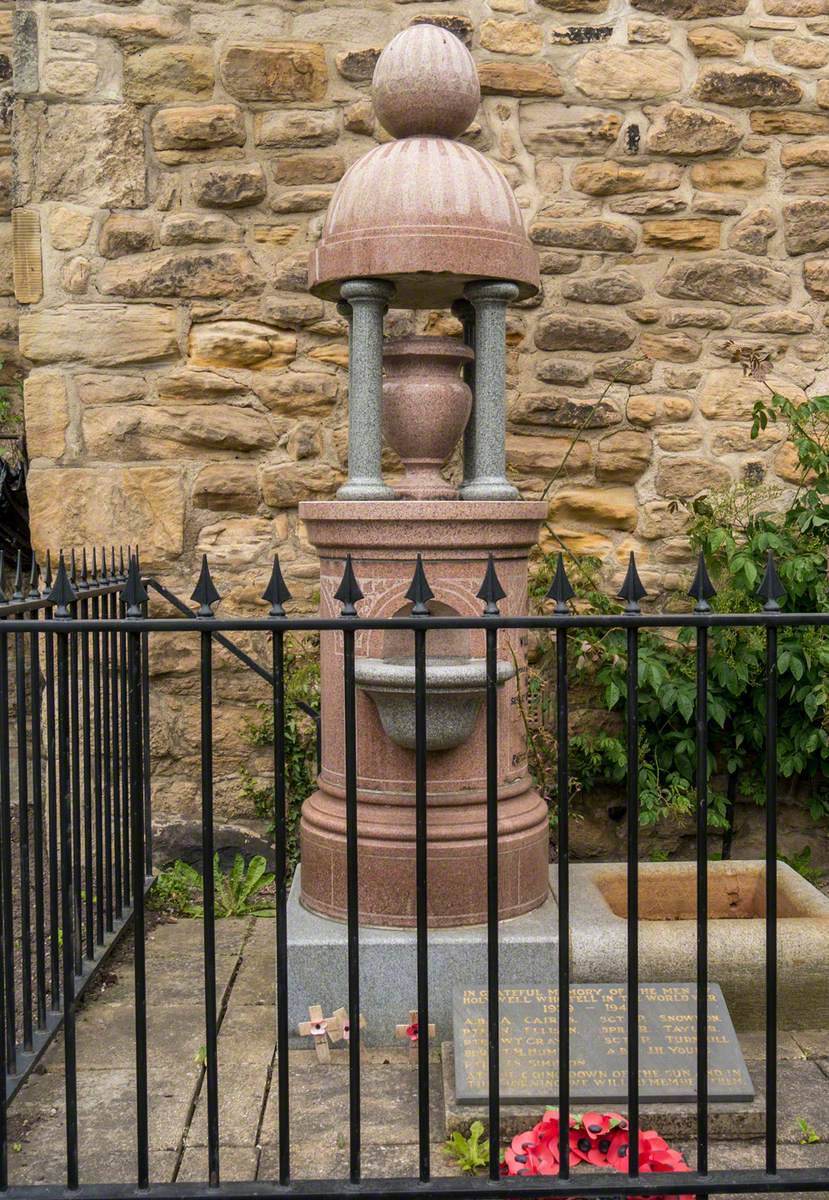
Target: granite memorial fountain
(424, 221)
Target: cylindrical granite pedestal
(455, 539)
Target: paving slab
(245, 1053)
(236, 1164)
(802, 1091)
(311, 1159)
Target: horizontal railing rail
(72, 623)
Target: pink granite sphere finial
(425, 84)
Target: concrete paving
(319, 1093)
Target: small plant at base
(239, 893)
(808, 1135)
(471, 1154)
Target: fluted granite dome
(425, 212)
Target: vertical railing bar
(77, 863)
(493, 983)
(25, 875)
(6, 853)
(139, 952)
(87, 789)
(4, 1134)
(422, 895)
(281, 864)
(37, 820)
(147, 765)
(115, 749)
(106, 738)
(210, 1015)
(126, 861)
(771, 900)
(702, 899)
(100, 891)
(633, 895)
(354, 1104)
(53, 821)
(68, 909)
(563, 789)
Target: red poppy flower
(412, 1031)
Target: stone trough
(736, 934)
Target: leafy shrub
(735, 529)
(239, 893)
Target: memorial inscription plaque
(598, 1045)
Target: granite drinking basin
(736, 934)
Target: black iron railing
(97, 781)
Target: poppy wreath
(601, 1139)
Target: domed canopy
(426, 213)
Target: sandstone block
(244, 344)
(231, 186)
(729, 281)
(646, 408)
(296, 128)
(579, 234)
(646, 32)
(308, 168)
(684, 478)
(729, 174)
(806, 226)
(275, 71)
(683, 233)
(6, 185)
(801, 124)
(564, 129)
(618, 288)
(807, 53)
(647, 206)
(302, 200)
(540, 455)
(358, 65)
(814, 153)
(609, 508)
(670, 347)
(568, 412)
(187, 127)
(101, 334)
(183, 229)
(566, 331)
(297, 394)
(454, 23)
(699, 318)
(511, 36)
(66, 77)
(575, 6)
(116, 433)
(661, 518)
(787, 465)
(745, 87)
(125, 233)
(359, 117)
(822, 93)
(227, 487)
(291, 273)
(816, 275)
(622, 73)
(126, 28)
(519, 79)
(123, 504)
(729, 395)
(614, 178)
(716, 42)
(238, 542)
(623, 456)
(171, 72)
(624, 370)
(69, 227)
(737, 439)
(46, 413)
(780, 321)
(692, 10)
(92, 154)
(796, 8)
(284, 485)
(675, 129)
(100, 388)
(75, 275)
(564, 371)
(183, 273)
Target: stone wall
(671, 157)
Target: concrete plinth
(318, 965)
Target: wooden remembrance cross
(412, 1032)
